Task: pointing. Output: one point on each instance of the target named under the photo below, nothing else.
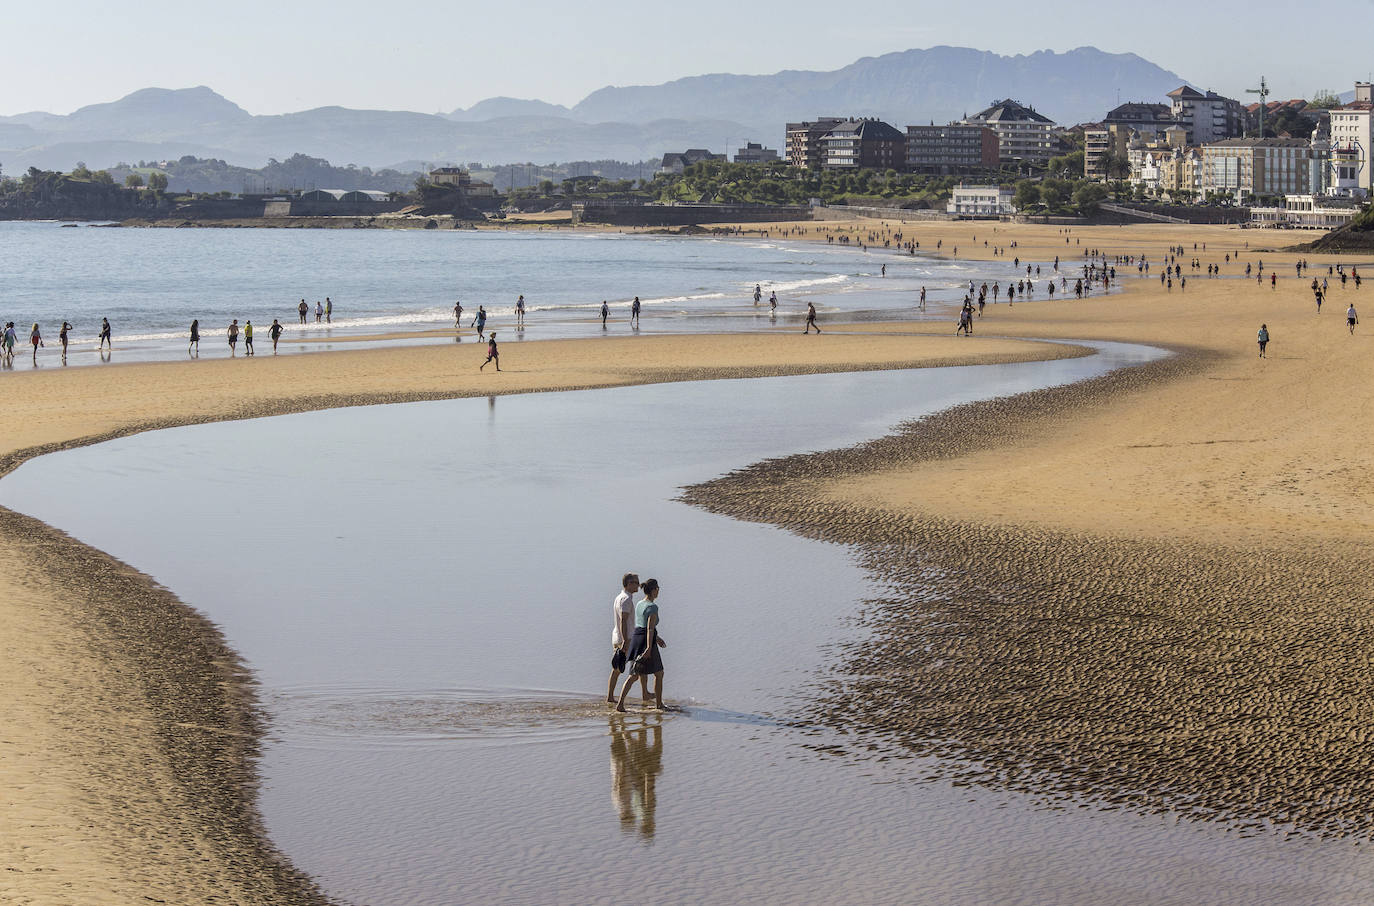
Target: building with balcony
(1023, 136)
(950, 150)
(980, 201)
(1257, 167)
(1103, 145)
(1352, 136)
(1149, 120)
(803, 145)
(867, 143)
(1208, 117)
(1307, 212)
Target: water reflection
(636, 761)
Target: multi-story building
(950, 150)
(1150, 120)
(1023, 136)
(804, 141)
(1103, 144)
(462, 180)
(1257, 166)
(980, 201)
(863, 143)
(1352, 141)
(754, 153)
(1208, 117)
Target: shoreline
(1067, 528)
(143, 674)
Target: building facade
(1102, 145)
(754, 153)
(803, 145)
(1307, 212)
(1352, 136)
(676, 162)
(951, 150)
(1208, 117)
(1023, 136)
(980, 201)
(1257, 166)
(863, 143)
(1149, 120)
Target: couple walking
(635, 642)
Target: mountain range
(631, 123)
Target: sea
(151, 283)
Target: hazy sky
(287, 55)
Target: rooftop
(1009, 111)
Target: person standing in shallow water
(62, 335)
(195, 337)
(643, 659)
(248, 338)
(275, 333)
(1263, 339)
(233, 334)
(634, 312)
(605, 313)
(105, 333)
(302, 308)
(622, 631)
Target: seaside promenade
(1225, 496)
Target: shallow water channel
(424, 593)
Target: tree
(1087, 197)
(80, 171)
(1027, 195)
(157, 182)
(1324, 99)
(102, 177)
(133, 181)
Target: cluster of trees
(80, 193)
(778, 183)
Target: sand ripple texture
(1211, 683)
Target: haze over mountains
(625, 123)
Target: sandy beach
(131, 729)
(1194, 532)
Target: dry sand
(1148, 590)
(130, 729)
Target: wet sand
(131, 729)
(1149, 590)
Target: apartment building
(1102, 144)
(1258, 166)
(1208, 116)
(1149, 120)
(951, 150)
(863, 143)
(1023, 136)
(803, 145)
(1352, 141)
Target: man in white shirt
(623, 610)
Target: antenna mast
(1263, 92)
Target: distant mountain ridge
(625, 123)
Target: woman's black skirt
(648, 665)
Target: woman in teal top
(643, 658)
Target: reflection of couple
(636, 761)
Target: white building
(980, 201)
(1352, 136)
(1307, 212)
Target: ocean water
(151, 283)
(423, 592)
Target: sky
(280, 57)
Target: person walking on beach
(457, 315)
(622, 631)
(195, 336)
(10, 340)
(634, 312)
(248, 338)
(479, 321)
(302, 308)
(492, 354)
(605, 313)
(319, 310)
(105, 333)
(520, 312)
(62, 335)
(36, 339)
(1263, 339)
(1351, 319)
(811, 318)
(773, 305)
(233, 334)
(275, 333)
(328, 310)
(922, 306)
(758, 294)
(643, 659)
